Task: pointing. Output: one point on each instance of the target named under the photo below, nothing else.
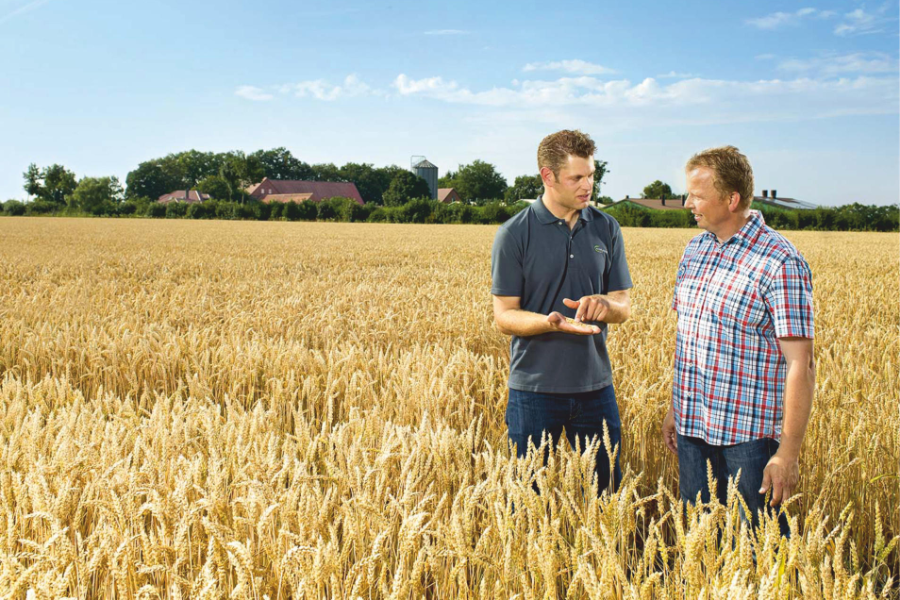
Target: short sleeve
(679, 275)
(507, 274)
(617, 275)
(788, 295)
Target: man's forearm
(619, 310)
(799, 389)
(522, 323)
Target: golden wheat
(209, 409)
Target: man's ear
(734, 202)
(547, 176)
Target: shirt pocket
(736, 302)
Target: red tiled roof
(181, 196)
(318, 190)
(447, 195)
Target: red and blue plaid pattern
(734, 299)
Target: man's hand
(590, 308)
(781, 476)
(558, 322)
(670, 437)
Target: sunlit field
(313, 410)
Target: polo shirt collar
(747, 234)
(546, 217)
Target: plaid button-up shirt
(734, 299)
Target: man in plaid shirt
(744, 369)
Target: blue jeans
(530, 414)
(750, 458)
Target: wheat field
(316, 410)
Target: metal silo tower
(426, 171)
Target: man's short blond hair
(731, 171)
(554, 150)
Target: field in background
(209, 409)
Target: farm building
(275, 190)
(186, 196)
(448, 195)
(651, 203)
(772, 199)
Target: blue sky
(808, 90)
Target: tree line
(851, 217)
(225, 176)
(391, 194)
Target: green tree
(372, 183)
(195, 165)
(153, 178)
(33, 180)
(478, 182)
(53, 184)
(658, 189)
(241, 171)
(525, 186)
(326, 172)
(14, 208)
(279, 163)
(600, 171)
(97, 195)
(404, 187)
(217, 187)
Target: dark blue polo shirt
(537, 258)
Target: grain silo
(428, 172)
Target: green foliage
(41, 207)
(600, 171)
(14, 208)
(307, 211)
(202, 210)
(176, 210)
(154, 178)
(280, 164)
(416, 211)
(217, 187)
(478, 182)
(658, 189)
(97, 195)
(853, 217)
(404, 187)
(372, 183)
(53, 184)
(326, 211)
(525, 186)
(494, 212)
(33, 180)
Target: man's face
(575, 184)
(710, 210)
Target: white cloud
(318, 89)
(446, 32)
(688, 100)
(569, 66)
(323, 90)
(675, 75)
(859, 22)
(780, 19)
(251, 92)
(834, 65)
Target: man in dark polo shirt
(562, 258)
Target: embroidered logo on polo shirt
(598, 249)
